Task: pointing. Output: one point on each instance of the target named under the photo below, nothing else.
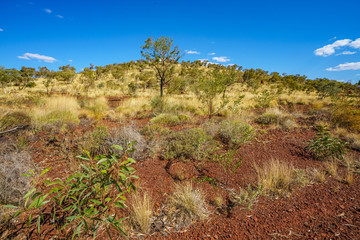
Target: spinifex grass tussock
(186, 204)
(276, 178)
(57, 110)
(141, 212)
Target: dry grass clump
(95, 142)
(350, 137)
(141, 212)
(332, 167)
(245, 197)
(132, 107)
(13, 185)
(187, 204)
(319, 175)
(352, 163)
(276, 177)
(57, 110)
(98, 108)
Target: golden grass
(186, 204)
(61, 108)
(319, 175)
(276, 177)
(351, 137)
(332, 167)
(141, 212)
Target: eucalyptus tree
(49, 78)
(66, 74)
(25, 77)
(162, 56)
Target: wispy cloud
(70, 60)
(345, 66)
(332, 39)
(47, 10)
(29, 56)
(211, 54)
(1, 30)
(59, 16)
(346, 53)
(191, 52)
(221, 59)
(329, 49)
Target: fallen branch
(12, 130)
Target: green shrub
(324, 146)
(235, 133)
(263, 100)
(227, 162)
(170, 119)
(94, 141)
(267, 119)
(158, 104)
(14, 119)
(83, 202)
(154, 131)
(186, 144)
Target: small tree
(209, 86)
(26, 77)
(162, 57)
(66, 74)
(49, 78)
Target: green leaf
(45, 171)
(10, 206)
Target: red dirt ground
(330, 210)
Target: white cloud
(70, 60)
(346, 53)
(345, 66)
(48, 10)
(211, 54)
(59, 16)
(1, 30)
(330, 48)
(355, 44)
(221, 59)
(29, 56)
(191, 52)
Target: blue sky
(317, 38)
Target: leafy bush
(154, 131)
(82, 198)
(186, 144)
(170, 119)
(324, 146)
(235, 133)
(13, 185)
(14, 119)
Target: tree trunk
(161, 87)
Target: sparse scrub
(187, 204)
(141, 212)
(228, 163)
(346, 115)
(186, 144)
(235, 133)
(276, 117)
(170, 119)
